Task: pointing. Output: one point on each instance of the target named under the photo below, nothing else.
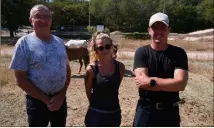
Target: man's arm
(25, 84)
(58, 99)
(68, 79)
(178, 83)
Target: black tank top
(105, 89)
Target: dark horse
(79, 53)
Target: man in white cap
(161, 71)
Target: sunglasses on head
(107, 47)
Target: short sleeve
(182, 62)
(19, 59)
(140, 58)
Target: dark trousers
(97, 119)
(148, 115)
(39, 115)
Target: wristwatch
(152, 83)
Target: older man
(161, 72)
(42, 71)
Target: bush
(93, 29)
(136, 35)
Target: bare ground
(196, 107)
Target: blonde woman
(103, 77)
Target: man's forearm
(32, 90)
(169, 84)
(178, 83)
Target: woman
(103, 77)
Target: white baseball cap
(159, 17)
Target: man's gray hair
(39, 6)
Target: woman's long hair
(93, 52)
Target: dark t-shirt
(160, 64)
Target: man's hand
(142, 81)
(56, 102)
(46, 99)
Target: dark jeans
(147, 115)
(97, 119)
(39, 115)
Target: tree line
(123, 15)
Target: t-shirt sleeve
(19, 59)
(182, 62)
(140, 58)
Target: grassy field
(197, 99)
(6, 76)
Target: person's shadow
(77, 76)
(129, 73)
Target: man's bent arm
(57, 100)
(178, 83)
(25, 84)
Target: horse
(115, 49)
(77, 43)
(80, 53)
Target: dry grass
(131, 45)
(197, 109)
(193, 46)
(204, 68)
(6, 75)
(122, 56)
(125, 45)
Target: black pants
(97, 119)
(147, 115)
(39, 115)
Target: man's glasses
(101, 48)
(46, 17)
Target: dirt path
(191, 55)
(6, 51)
(196, 106)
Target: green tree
(130, 9)
(72, 13)
(206, 11)
(97, 10)
(183, 18)
(69, 1)
(112, 15)
(15, 13)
